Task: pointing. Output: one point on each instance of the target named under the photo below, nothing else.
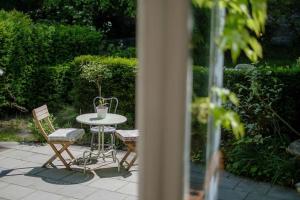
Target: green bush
(261, 154)
(27, 47)
(120, 84)
(262, 158)
(287, 104)
(51, 85)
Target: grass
(16, 130)
(9, 134)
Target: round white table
(92, 119)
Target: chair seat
(107, 129)
(66, 135)
(128, 135)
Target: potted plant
(96, 72)
(101, 109)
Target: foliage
(66, 117)
(120, 51)
(262, 154)
(263, 158)
(9, 135)
(226, 118)
(200, 35)
(114, 17)
(120, 83)
(263, 147)
(285, 78)
(95, 72)
(257, 97)
(241, 16)
(15, 129)
(28, 47)
(36, 131)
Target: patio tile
(46, 185)
(229, 183)
(54, 174)
(3, 184)
(130, 189)
(80, 178)
(29, 166)
(9, 144)
(108, 184)
(33, 171)
(252, 186)
(131, 198)
(256, 196)
(129, 176)
(38, 158)
(283, 193)
(45, 150)
(68, 198)
(24, 147)
(19, 154)
(15, 192)
(228, 194)
(106, 195)
(43, 195)
(76, 191)
(4, 152)
(20, 179)
(10, 163)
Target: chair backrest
(112, 103)
(42, 120)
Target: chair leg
(113, 146)
(125, 157)
(92, 142)
(59, 155)
(54, 157)
(131, 162)
(70, 154)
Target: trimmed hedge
(28, 48)
(289, 104)
(120, 85)
(262, 153)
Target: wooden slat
(41, 112)
(43, 107)
(42, 116)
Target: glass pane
(263, 163)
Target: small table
(92, 119)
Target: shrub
(286, 104)
(262, 158)
(120, 83)
(261, 154)
(50, 84)
(27, 47)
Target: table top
(92, 119)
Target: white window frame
(162, 97)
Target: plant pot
(101, 112)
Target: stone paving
(21, 177)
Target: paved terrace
(21, 177)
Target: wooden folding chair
(64, 137)
(129, 138)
